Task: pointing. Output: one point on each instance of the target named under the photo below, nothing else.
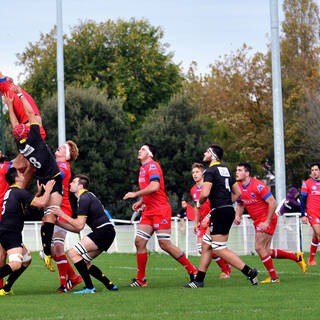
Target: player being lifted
(261, 206)
(32, 146)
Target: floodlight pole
(278, 136)
(60, 77)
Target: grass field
(296, 297)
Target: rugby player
(220, 187)
(156, 216)
(32, 146)
(261, 206)
(310, 198)
(201, 228)
(90, 211)
(11, 225)
(66, 153)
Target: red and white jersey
(4, 167)
(205, 207)
(311, 189)
(65, 170)
(157, 200)
(254, 196)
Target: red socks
(62, 264)
(186, 264)
(221, 263)
(280, 254)
(142, 259)
(268, 263)
(313, 249)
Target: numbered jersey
(38, 153)
(222, 181)
(14, 202)
(4, 167)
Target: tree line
(123, 89)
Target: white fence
(290, 235)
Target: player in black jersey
(90, 211)
(220, 187)
(32, 146)
(11, 225)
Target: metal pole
(3, 146)
(60, 77)
(280, 170)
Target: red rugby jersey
(254, 196)
(311, 189)
(205, 207)
(148, 172)
(65, 170)
(4, 167)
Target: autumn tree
(125, 59)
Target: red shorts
(158, 219)
(272, 227)
(202, 231)
(67, 211)
(313, 217)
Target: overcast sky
(196, 30)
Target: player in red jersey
(5, 88)
(197, 175)
(156, 216)
(66, 153)
(310, 196)
(261, 206)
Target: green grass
(295, 297)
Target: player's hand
(7, 100)
(129, 195)
(263, 226)
(237, 220)
(137, 206)
(15, 89)
(204, 222)
(304, 220)
(56, 211)
(196, 228)
(49, 185)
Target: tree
(180, 138)
(237, 96)
(300, 80)
(125, 59)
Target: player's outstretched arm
(42, 201)
(26, 105)
(9, 102)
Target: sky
(196, 30)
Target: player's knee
(165, 245)
(73, 254)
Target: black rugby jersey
(222, 181)
(38, 153)
(90, 206)
(14, 203)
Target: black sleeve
(208, 176)
(83, 206)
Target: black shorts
(103, 237)
(221, 220)
(11, 239)
(58, 187)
